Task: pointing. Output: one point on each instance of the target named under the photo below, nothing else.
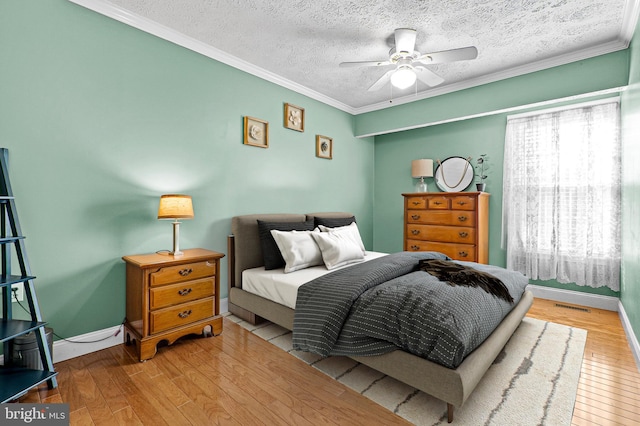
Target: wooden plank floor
(609, 387)
(239, 379)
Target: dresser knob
(462, 203)
(415, 203)
(184, 291)
(463, 234)
(185, 272)
(184, 314)
(437, 203)
(415, 231)
(463, 253)
(462, 218)
(415, 217)
(415, 247)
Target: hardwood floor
(239, 379)
(609, 386)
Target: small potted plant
(481, 167)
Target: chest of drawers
(453, 223)
(169, 297)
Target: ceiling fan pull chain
(464, 172)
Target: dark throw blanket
(456, 274)
(386, 304)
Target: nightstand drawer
(184, 314)
(181, 273)
(160, 297)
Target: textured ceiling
(300, 43)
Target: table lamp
(175, 206)
(421, 169)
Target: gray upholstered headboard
(244, 250)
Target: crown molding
(136, 21)
(631, 11)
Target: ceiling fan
(409, 63)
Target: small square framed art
(294, 117)
(256, 132)
(324, 147)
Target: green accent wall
(590, 75)
(100, 119)
(630, 284)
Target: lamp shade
(175, 206)
(422, 168)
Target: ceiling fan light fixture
(403, 78)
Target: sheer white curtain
(561, 195)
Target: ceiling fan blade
(461, 54)
(427, 76)
(405, 40)
(364, 64)
(381, 81)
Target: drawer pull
(463, 253)
(184, 291)
(463, 234)
(437, 203)
(415, 231)
(415, 217)
(415, 203)
(462, 203)
(462, 218)
(185, 272)
(184, 314)
(414, 247)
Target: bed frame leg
(449, 413)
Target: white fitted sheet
(282, 288)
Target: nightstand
(170, 297)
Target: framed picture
(324, 147)
(294, 117)
(256, 132)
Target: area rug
(533, 381)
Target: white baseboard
(631, 336)
(224, 305)
(66, 349)
(575, 297)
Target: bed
(451, 385)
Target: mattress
(282, 288)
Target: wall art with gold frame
(256, 132)
(324, 147)
(293, 117)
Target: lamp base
(176, 240)
(421, 186)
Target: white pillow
(351, 229)
(338, 249)
(298, 249)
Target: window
(561, 195)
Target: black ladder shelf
(16, 381)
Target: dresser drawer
(454, 251)
(416, 203)
(438, 203)
(454, 234)
(456, 218)
(173, 294)
(181, 273)
(463, 203)
(186, 313)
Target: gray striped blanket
(378, 306)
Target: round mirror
(454, 174)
